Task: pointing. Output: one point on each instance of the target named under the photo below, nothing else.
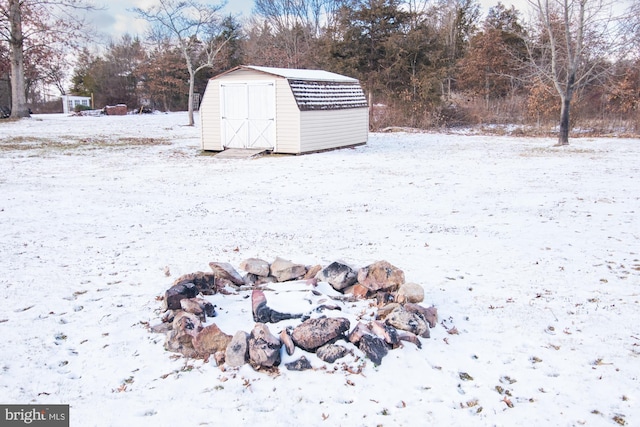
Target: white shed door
(248, 114)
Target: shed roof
(325, 95)
(316, 89)
(301, 74)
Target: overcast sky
(117, 19)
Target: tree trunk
(192, 83)
(16, 43)
(563, 138)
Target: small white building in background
(69, 102)
(283, 110)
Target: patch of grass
(65, 142)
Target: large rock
(263, 314)
(238, 349)
(410, 292)
(405, 320)
(381, 276)
(254, 280)
(191, 305)
(264, 348)
(331, 352)
(205, 282)
(256, 266)
(198, 306)
(312, 271)
(338, 275)
(428, 314)
(178, 292)
(176, 344)
(301, 364)
(284, 270)
(210, 340)
(185, 327)
(225, 271)
(373, 347)
(357, 291)
(314, 333)
(358, 332)
(187, 324)
(287, 341)
(385, 331)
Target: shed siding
(210, 118)
(296, 131)
(322, 130)
(287, 119)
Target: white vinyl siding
(296, 131)
(323, 130)
(288, 119)
(210, 118)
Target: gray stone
(407, 321)
(208, 308)
(410, 292)
(264, 348)
(358, 332)
(338, 275)
(198, 306)
(373, 347)
(284, 270)
(253, 280)
(191, 305)
(168, 316)
(185, 327)
(205, 282)
(174, 344)
(263, 314)
(381, 276)
(314, 333)
(238, 349)
(178, 292)
(255, 266)
(301, 364)
(428, 314)
(225, 271)
(331, 352)
(385, 331)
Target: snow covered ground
(532, 252)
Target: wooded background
(423, 64)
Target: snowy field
(532, 253)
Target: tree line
(571, 64)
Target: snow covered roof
(325, 95)
(319, 89)
(301, 74)
(316, 89)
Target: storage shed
(283, 110)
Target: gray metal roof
(324, 95)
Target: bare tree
(25, 24)
(196, 29)
(291, 29)
(573, 46)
